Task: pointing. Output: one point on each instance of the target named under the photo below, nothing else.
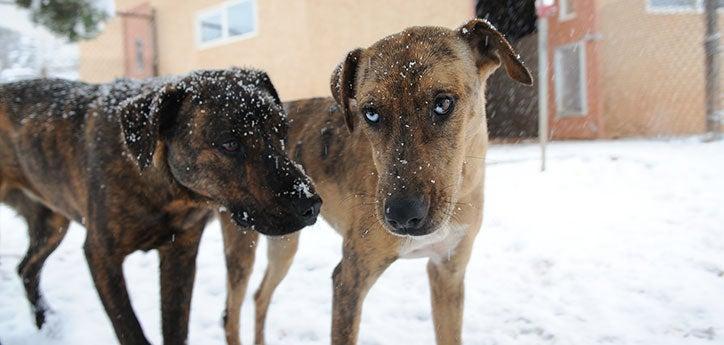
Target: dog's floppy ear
(265, 82)
(142, 118)
(343, 83)
(490, 46)
(259, 78)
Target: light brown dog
(398, 156)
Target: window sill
(225, 41)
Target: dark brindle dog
(143, 165)
(405, 182)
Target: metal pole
(543, 87)
(711, 47)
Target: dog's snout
(406, 215)
(308, 209)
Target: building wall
(652, 69)
(298, 42)
(101, 59)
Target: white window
(669, 6)
(570, 80)
(231, 21)
(567, 11)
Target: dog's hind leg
(239, 249)
(46, 230)
(178, 269)
(280, 254)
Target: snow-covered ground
(617, 243)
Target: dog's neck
(161, 180)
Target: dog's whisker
(356, 195)
(474, 157)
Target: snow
(619, 242)
(302, 187)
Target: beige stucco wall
(652, 70)
(298, 42)
(101, 59)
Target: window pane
(139, 54)
(210, 27)
(569, 81)
(674, 3)
(567, 7)
(241, 18)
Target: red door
(138, 42)
(574, 101)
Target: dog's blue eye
(444, 105)
(372, 116)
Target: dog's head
(418, 96)
(221, 135)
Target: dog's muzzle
(407, 215)
(307, 209)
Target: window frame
(697, 8)
(583, 75)
(223, 10)
(564, 11)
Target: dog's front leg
(106, 266)
(447, 291)
(447, 275)
(353, 277)
(178, 269)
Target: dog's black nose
(405, 215)
(308, 209)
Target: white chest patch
(439, 245)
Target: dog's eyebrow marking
(298, 153)
(326, 141)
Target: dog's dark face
(226, 145)
(418, 96)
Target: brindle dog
(143, 165)
(407, 181)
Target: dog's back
(41, 136)
(45, 129)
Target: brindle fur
(139, 164)
(356, 170)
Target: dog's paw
(52, 326)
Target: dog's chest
(437, 246)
